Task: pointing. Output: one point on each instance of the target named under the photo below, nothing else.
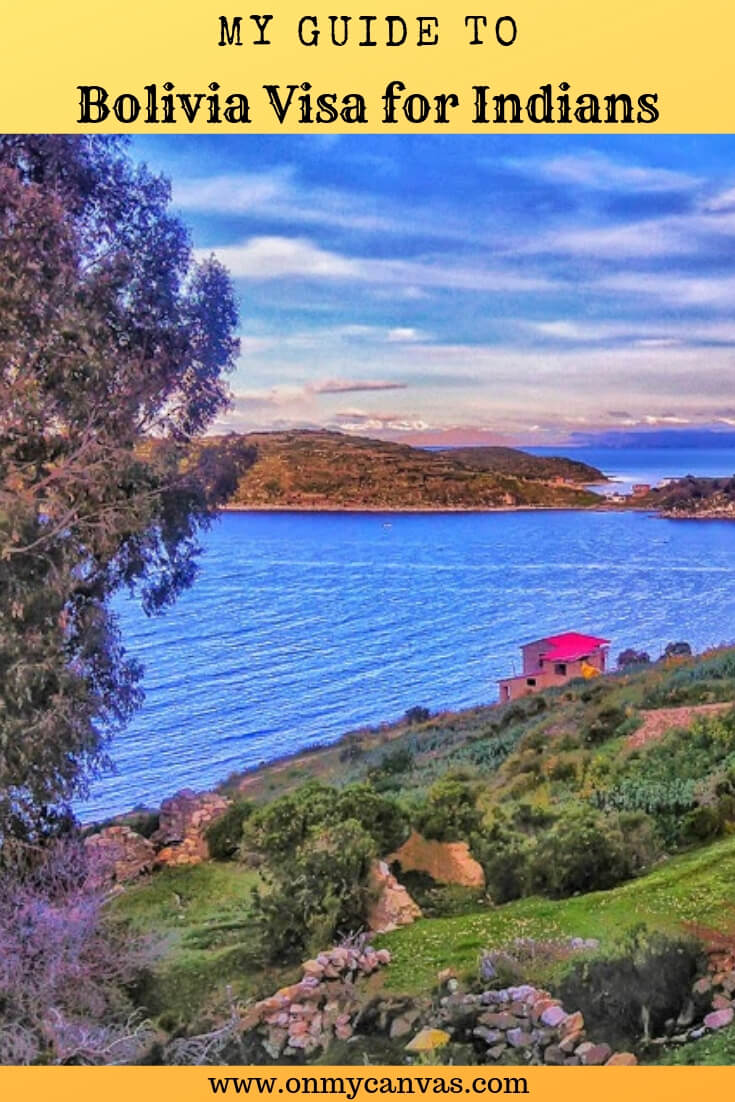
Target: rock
(719, 1018)
(499, 1019)
(728, 982)
(426, 1040)
(593, 1055)
(554, 1055)
(392, 906)
(403, 1024)
(703, 986)
(721, 1002)
(571, 1041)
(519, 1038)
(572, 1062)
(489, 1036)
(522, 992)
(496, 1052)
(686, 1014)
(118, 854)
(446, 862)
(572, 1023)
(553, 1016)
(622, 1060)
(183, 823)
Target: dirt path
(657, 722)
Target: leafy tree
(380, 816)
(582, 852)
(631, 657)
(318, 892)
(451, 812)
(113, 344)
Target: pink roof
(571, 645)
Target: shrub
(379, 815)
(506, 857)
(450, 813)
(383, 775)
(64, 968)
(604, 725)
(279, 828)
(417, 714)
(224, 835)
(634, 993)
(317, 894)
(582, 852)
(632, 657)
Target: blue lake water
(303, 626)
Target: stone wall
(308, 1015)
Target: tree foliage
(113, 344)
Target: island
(327, 470)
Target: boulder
(593, 1055)
(496, 1051)
(117, 855)
(622, 1060)
(426, 1040)
(554, 1055)
(184, 820)
(553, 1016)
(392, 906)
(445, 862)
(719, 1018)
(572, 1023)
(519, 1038)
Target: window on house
(560, 668)
(530, 680)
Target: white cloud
(599, 172)
(277, 195)
(272, 257)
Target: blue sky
(473, 287)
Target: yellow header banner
(435, 66)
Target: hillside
(329, 470)
(695, 497)
(586, 838)
(520, 464)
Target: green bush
(582, 852)
(224, 835)
(506, 855)
(379, 815)
(605, 725)
(450, 813)
(317, 894)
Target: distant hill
(328, 470)
(522, 464)
(695, 497)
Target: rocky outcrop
(308, 1015)
(446, 862)
(184, 820)
(117, 855)
(391, 904)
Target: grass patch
(200, 918)
(693, 887)
(716, 1049)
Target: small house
(555, 660)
